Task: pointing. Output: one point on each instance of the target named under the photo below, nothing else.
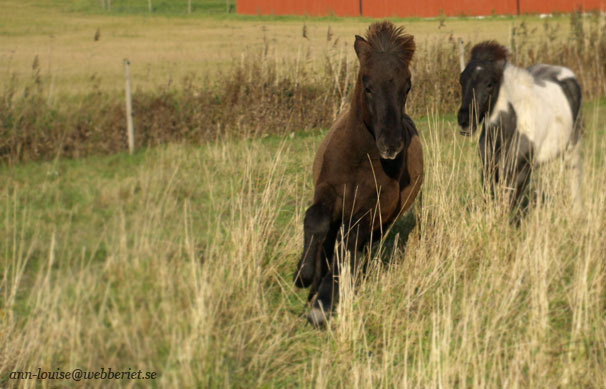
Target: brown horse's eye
(368, 90)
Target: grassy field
(164, 48)
(178, 259)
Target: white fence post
(461, 55)
(129, 109)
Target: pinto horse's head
(383, 84)
(480, 81)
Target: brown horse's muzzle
(390, 146)
(391, 143)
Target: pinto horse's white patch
(565, 73)
(542, 110)
(544, 104)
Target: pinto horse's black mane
(385, 38)
(489, 51)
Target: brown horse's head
(383, 84)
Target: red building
(412, 8)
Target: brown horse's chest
(348, 172)
(370, 190)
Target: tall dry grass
(180, 262)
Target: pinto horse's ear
(362, 47)
(500, 64)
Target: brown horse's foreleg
(414, 166)
(328, 291)
(315, 228)
(323, 261)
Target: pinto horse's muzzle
(463, 119)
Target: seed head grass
(179, 260)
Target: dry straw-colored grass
(182, 265)
(166, 49)
(179, 259)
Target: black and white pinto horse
(530, 116)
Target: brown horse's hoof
(318, 316)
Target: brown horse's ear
(407, 48)
(362, 47)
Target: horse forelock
(385, 38)
(488, 51)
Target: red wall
(406, 8)
(547, 6)
(298, 7)
(426, 8)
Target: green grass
(179, 260)
(161, 7)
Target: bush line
(256, 97)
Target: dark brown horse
(368, 169)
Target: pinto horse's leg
(316, 226)
(489, 157)
(521, 180)
(328, 291)
(520, 154)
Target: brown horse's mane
(384, 37)
(488, 51)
